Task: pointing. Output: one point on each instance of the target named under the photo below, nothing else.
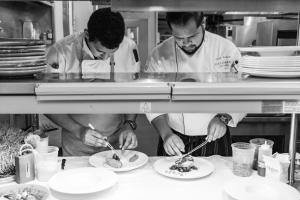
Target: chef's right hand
(92, 138)
(173, 145)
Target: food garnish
(185, 165)
(115, 161)
(133, 158)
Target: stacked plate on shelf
(279, 62)
(22, 57)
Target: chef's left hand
(216, 129)
(127, 139)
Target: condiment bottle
(28, 31)
(264, 150)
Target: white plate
(22, 68)
(163, 165)
(7, 47)
(23, 64)
(25, 54)
(271, 74)
(260, 189)
(21, 42)
(86, 180)
(8, 179)
(22, 72)
(272, 51)
(271, 69)
(36, 190)
(22, 58)
(98, 160)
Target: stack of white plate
(21, 57)
(280, 62)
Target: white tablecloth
(146, 184)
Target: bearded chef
(101, 48)
(192, 49)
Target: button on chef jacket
(216, 54)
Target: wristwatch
(131, 123)
(225, 118)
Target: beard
(191, 49)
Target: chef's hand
(92, 138)
(127, 139)
(216, 129)
(173, 145)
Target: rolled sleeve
(152, 116)
(236, 118)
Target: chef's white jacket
(216, 54)
(74, 56)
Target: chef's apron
(221, 146)
(101, 69)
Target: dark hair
(181, 18)
(107, 27)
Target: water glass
(243, 156)
(47, 164)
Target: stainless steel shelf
(143, 93)
(211, 5)
(102, 91)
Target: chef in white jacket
(192, 49)
(101, 48)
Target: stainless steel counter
(151, 92)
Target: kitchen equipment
(47, 163)
(256, 143)
(204, 168)
(189, 153)
(25, 171)
(98, 160)
(81, 183)
(243, 156)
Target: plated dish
(24, 192)
(189, 168)
(186, 164)
(119, 160)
